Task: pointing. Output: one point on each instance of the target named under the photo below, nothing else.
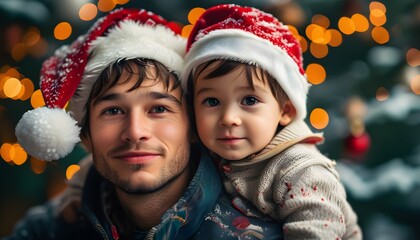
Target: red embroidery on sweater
(289, 186)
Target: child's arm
(314, 206)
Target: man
(121, 79)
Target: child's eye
(211, 102)
(249, 101)
(112, 111)
(159, 109)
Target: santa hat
(248, 35)
(50, 133)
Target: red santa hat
(50, 133)
(249, 35)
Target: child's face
(233, 120)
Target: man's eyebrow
(163, 95)
(153, 95)
(107, 97)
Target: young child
(245, 78)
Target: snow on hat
(249, 35)
(50, 133)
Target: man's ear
(287, 114)
(86, 141)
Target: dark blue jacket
(203, 212)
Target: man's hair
(137, 67)
(222, 67)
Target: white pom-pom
(47, 133)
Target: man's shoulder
(43, 222)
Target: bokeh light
(71, 170)
(186, 30)
(88, 12)
(380, 35)
(106, 5)
(346, 25)
(316, 73)
(32, 37)
(62, 31)
(336, 38)
(319, 118)
(18, 154)
(382, 94)
(318, 50)
(321, 20)
(413, 57)
(12, 87)
(194, 14)
(29, 89)
(18, 52)
(5, 152)
(415, 84)
(38, 166)
(360, 22)
(37, 100)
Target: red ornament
(357, 146)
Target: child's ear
(287, 114)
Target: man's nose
(138, 127)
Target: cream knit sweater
(291, 181)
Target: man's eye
(211, 102)
(159, 109)
(112, 111)
(249, 101)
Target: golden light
(71, 170)
(415, 84)
(316, 73)
(346, 25)
(37, 166)
(319, 118)
(20, 155)
(18, 52)
(294, 30)
(37, 100)
(320, 35)
(360, 22)
(309, 29)
(318, 50)
(106, 5)
(194, 14)
(21, 92)
(186, 30)
(303, 43)
(382, 94)
(3, 79)
(88, 12)
(32, 36)
(29, 88)
(380, 35)
(377, 5)
(12, 87)
(5, 151)
(62, 31)
(336, 38)
(321, 20)
(377, 19)
(12, 72)
(413, 57)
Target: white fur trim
(47, 133)
(128, 41)
(245, 47)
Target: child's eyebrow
(202, 90)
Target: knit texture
(291, 181)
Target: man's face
(139, 139)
